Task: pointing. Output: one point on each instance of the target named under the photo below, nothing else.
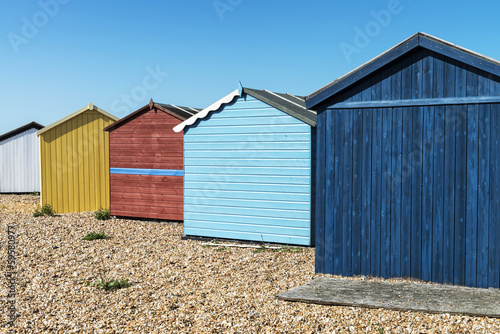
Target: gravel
(177, 286)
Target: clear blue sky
(55, 60)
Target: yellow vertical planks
(75, 161)
(73, 149)
(105, 156)
(97, 155)
(91, 161)
(56, 171)
(85, 159)
(81, 194)
(63, 167)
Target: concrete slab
(431, 298)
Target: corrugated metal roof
(181, 113)
(291, 104)
(90, 106)
(21, 129)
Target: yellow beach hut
(74, 161)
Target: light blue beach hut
(248, 165)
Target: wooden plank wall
(147, 142)
(75, 164)
(412, 191)
(248, 175)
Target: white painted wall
(20, 163)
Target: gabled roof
(291, 104)
(418, 40)
(181, 113)
(19, 130)
(90, 107)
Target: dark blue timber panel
(483, 218)
(366, 196)
(438, 132)
(494, 198)
(321, 262)
(408, 62)
(412, 190)
(418, 41)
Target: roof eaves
(21, 129)
(205, 112)
(88, 107)
(181, 113)
(126, 119)
(280, 103)
(365, 69)
(302, 100)
(168, 109)
(418, 40)
(460, 54)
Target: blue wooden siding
(144, 171)
(248, 175)
(421, 196)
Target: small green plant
(220, 249)
(380, 329)
(102, 214)
(47, 209)
(260, 249)
(278, 250)
(96, 235)
(109, 285)
(291, 250)
(4, 207)
(35, 193)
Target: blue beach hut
(408, 166)
(247, 169)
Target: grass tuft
(285, 249)
(96, 236)
(102, 214)
(110, 285)
(46, 210)
(260, 249)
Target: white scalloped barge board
(204, 113)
